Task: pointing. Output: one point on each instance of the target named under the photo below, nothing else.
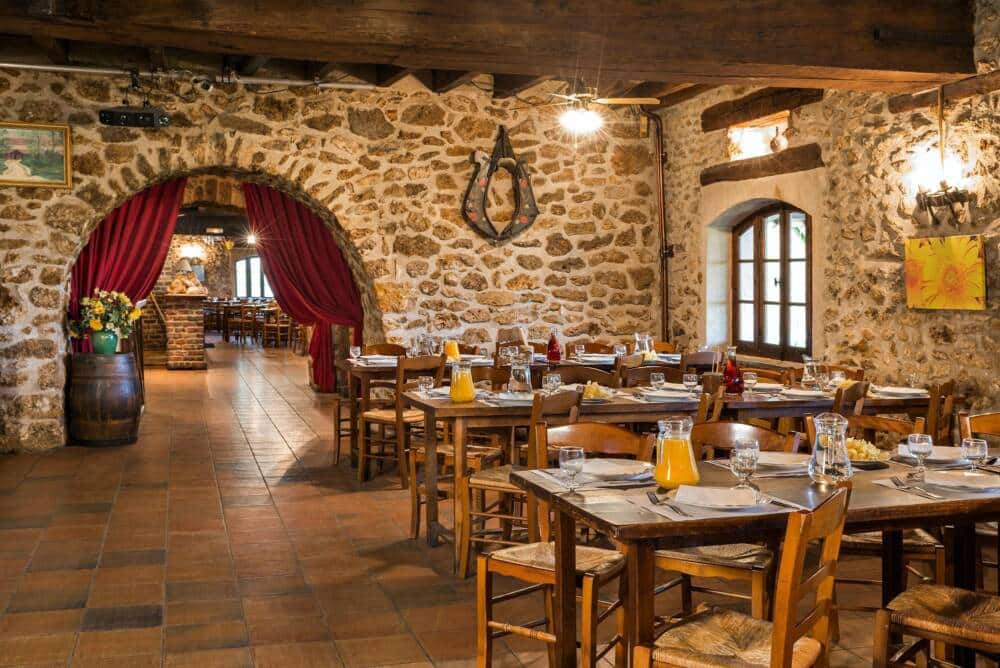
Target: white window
(250, 279)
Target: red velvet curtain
(127, 250)
(306, 271)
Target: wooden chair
(939, 412)
(746, 562)
(722, 637)
(596, 347)
(393, 349)
(239, 322)
(277, 326)
(850, 399)
(540, 347)
(510, 336)
(583, 374)
(472, 511)
(850, 372)
(639, 376)
(969, 426)
(402, 420)
(664, 347)
(700, 362)
(534, 563)
(769, 375)
(632, 361)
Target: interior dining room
(457, 333)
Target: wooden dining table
(638, 531)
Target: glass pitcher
(463, 389)
(810, 372)
(520, 377)
(675, 462)
(830, 462)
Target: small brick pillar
(185, 331)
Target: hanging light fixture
(947, 172)
(251, 239)
(579, 119)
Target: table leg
(461, 485)
(893, 568)
(564, 603)
(352, 408)
(639, 618)
(430, 475)
(961, 541)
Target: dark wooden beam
(897, 45)
(655, 89)
(984, 84)
(248, 66)
(796, 159)
(56, 50)
(157, 58)
(758, 104)
(320, 71)
(446, 80)
(387, 75)
(509, 85)
(683, 94)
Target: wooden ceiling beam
(797, 159)
(510, 85)
(247, 66)
(758, 104)
(387, 75)
(683, 94)
(893, 45)
(984, 84)
(157, 58)
(56, 50)
(446, 80)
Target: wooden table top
(872, 507)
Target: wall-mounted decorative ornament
(945, 273)
(474, 207)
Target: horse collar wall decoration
(474, 209)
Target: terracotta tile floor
(225, 537)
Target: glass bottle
(830, 462)
(554, 352)
(731, 374)
(462, 389)
(675, 462)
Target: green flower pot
(105, 343)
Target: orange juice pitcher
(462, 388)
(451, 351)
(675, 462)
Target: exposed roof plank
(509, 85)
(446, 80)
(683, 94)
(250, 65)
(387, 75)
(56, 50)
(983, 84)
(797, 159)
(758, 104)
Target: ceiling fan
(580, 117)
(584, 99)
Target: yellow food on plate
(650, 356)
(594, 391)
(860, 450)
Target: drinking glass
(919, 445)
(656, 380)
(743, 461)
(620, 350)
(571, 463)
(483, 351)
(520, 378)
(749, 382)
(551, 382)
(836, 378)
(425, 383)
(975, 450)
(579, 349)
(355, 352)
(690, 381)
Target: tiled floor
(225, 537)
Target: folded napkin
(963, 480)
(667, 394)
(768, 387)
(899, 391)
(716, 497)
(794, 392)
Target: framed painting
(32, 154)
(946, 273)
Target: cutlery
(657, 501)
(778, 502)
(913, 489)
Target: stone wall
(862, 209)
(385, 169)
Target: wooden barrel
(104, 399)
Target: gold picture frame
(37, 155)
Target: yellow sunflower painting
(946, 273)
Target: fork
(657, 501)
(913, 489)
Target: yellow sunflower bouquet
(105, 311)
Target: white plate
(976, 481)
(794, 392)
(782, 458)
(515, 398)
(900, 391)
(611, 469)
(720, 498)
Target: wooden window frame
(782, 351)
(248, 273)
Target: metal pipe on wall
(666, 249)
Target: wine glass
(836, 378)
(551, 382)
(483, 351)
(690, 381)
(354, 352)
(749, 382)
(620, 350)
(975, 450)
(743, 461)
(571, 464)
(520, 378)
(919, 446)
(425, 383)
(579, 349)
(657, 380)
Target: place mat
(947, 493)
(796, 393)
(899, 392)
(586, 482)
(694, 512)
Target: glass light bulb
(581, 121)
(252, 239)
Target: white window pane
(746, 244)
(772, 237)
(241, 278)
(746, 322)
(772, 281)
(255, 277)
(772, 324)
(797, 281)
(267, 288)
(746, 281)
(797, 236)
(797, 326)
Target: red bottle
(731, 374)
(554, 352)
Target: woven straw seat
(496, 479)
(719, 637)
(388, 416)
(957, 613)
(870, 542)
(746, 555)
(593, 560)
(472, 452)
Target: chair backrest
(639, 376)
(539, 347)
(939, 411)
(794, 589)
(774, 375)
(628, 362)
(598, 348)
(872, 425)
(467, 349)
(700, 362)
(850, 372)
(711, 437)
(553, 409)
(385, 349)
(664, 347)
(850, 399)
(598, 438)
(497, 376)
(584, 374)
(409, 368)
(710, 406)
(510, 336)
(987, 424)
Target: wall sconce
(939, 179)
(193, 253)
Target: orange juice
(675, 465)
(462, 387)
(451, 351)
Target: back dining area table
(605, 475)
